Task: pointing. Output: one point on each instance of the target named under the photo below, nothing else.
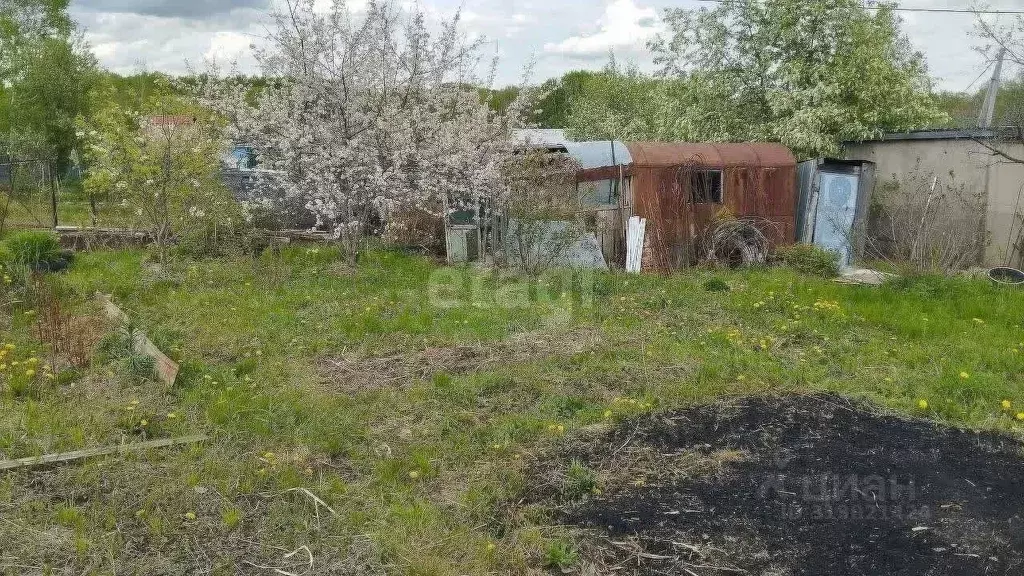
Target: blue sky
(556, 35)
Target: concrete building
(954, 158)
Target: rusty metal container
(682, 188)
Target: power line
(921, 10)
(971, 85)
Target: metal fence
(29, 191)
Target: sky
(552, 36)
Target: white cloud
(227, 45)
(163, 34)
(624, 26)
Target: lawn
(392, 418)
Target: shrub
(809, 259)
(35, 249)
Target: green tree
(46, 72)
(807, 73)
(625, 104)
(558, 95)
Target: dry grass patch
(356, 372)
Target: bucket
(1006, 276)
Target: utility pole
(988, 109)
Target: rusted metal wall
(759, 180)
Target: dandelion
(1007, 404)
(964, 376)
(490, 546)
(190, 516)
(607, 413)
(30, 373)
(414, 474)
(922, 404)
(172, 415)
(144, 423)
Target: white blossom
(377, 116)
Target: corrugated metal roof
(712, 155)
(540, 138)
(599, 154)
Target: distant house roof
(550, 138)
(940, 134)
(712, 155)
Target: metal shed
(680, 188)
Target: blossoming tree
(369, 115)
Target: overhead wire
(915, 9)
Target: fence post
(53, 195)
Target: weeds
(466, 397)
(579, 481)
(716, 285)
(560, 554)
(810, 259)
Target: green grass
(422, 471)
(37, 212)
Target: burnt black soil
(821, 486)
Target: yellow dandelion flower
(30, 373)
(964, 376)
(922, 404)
(190, 515)
(414, 474)
(607, 413)
(1020, 416)
(1007, 404)
(491, 546)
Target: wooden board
(166, 368)
(93, 452)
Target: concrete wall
(998, 180)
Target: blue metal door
(833, 222)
